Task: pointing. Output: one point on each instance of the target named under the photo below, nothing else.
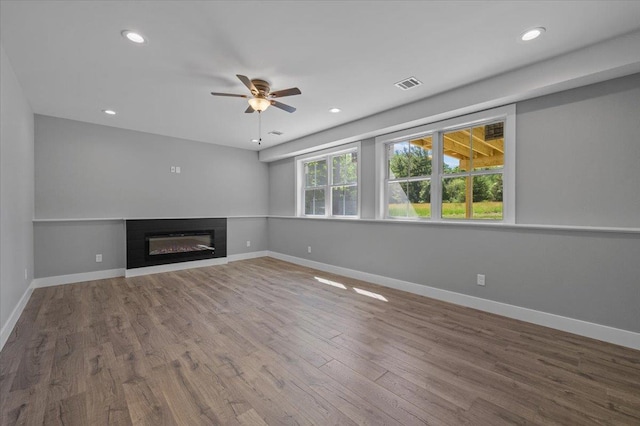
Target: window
(460, 169)
(315, 186)
(409, 178)
(472, 169)
(328, 183)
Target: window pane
(397, 199)
(487, 197)
(456, 148)
(421, 153)
(344, 200)
(420, 198)
(314, 201)
(488, 146)
(315, 173)
(398, 159)
(345, 168)
(454, 197)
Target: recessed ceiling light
(255, 140)
(335, 110)
(532, 34)
(109, 111)
(133, 36)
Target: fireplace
(178, 245)
(153, 242)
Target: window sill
(475, 224)
(348, 218)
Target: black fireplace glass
(178, 244)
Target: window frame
(327, 155)
(407, 179)
(436, 130)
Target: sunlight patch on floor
(370, 294)
(332, 283)
(357, 290)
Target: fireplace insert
(178, 245)
(153, 242)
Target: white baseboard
(171, 267)
(605, 333)
(245, 256)
(77, 278)
(15, 315)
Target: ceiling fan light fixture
(259, 104)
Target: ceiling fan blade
(285, 92)
(249, 110)
(244, 79)
(283, 106)
(229, 94)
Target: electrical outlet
(248, 243)
(480, 279)
(309, 249)
(173, 169)
(177, 169)
(98, 258)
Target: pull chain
(259, 127)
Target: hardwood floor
(264, 342)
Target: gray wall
(587, 276)
(577, 164)
(282, 187)
(63, 248)
(577, 160)
(282, 201)
(16, 190)
(578, 156)
(241, 230)
(70, 247)
(86, 170)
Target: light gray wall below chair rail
(241, 230)
(589, 276)
(64, 248)
(70, 247)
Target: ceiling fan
(262, 96)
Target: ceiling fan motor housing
(262, 86)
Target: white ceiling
(72, 61)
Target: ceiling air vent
(276, 132)
(408, 83)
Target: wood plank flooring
(264, 342)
